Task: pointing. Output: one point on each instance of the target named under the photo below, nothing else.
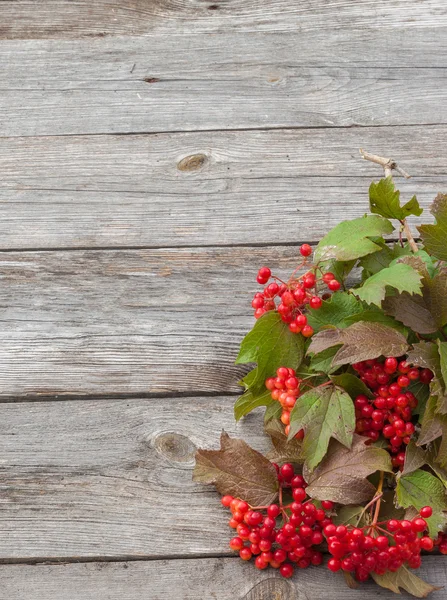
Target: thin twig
(389, 165)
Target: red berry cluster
(280, 536)
(390, 411)
(388, 549)
(441, 543)
(285, 388)
(293, 296)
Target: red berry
(245, 553)
(264, 273)
(327, 504)
(307, 331)
(301, 320)
(327, 277)
(287, 472)
(426, 512)
(227, 500)
(334, 285)
(305, 250)
(426, 376)
(334, 565)
(236, 543)
(286, 570)
(426, 543)
(390, 364)
(315, 302)
(418, 525)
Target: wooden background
(154, 154)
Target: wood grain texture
(235, 81)
(207, 579)
(113, 478)
(64, 18)
(202, 188)
(128, 322)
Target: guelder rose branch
(353, 382)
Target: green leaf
(271, 345)
(404, 578)
(373, 263)
(384, 201)
(399, 276)
(250, 400)
(361, 341)
(341, 476)
(352, 239)
(419, 489)
(348, 515)
(434, 236)
(321, 363)
(335, 311)
(323, 413)
(442, 347)
(352, 384)
(238, 470)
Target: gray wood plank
(62, 18)
(235, 81)
(208, 578)
(128, 322)
(113, 477)
(238, 187)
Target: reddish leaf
(238, 470)
(341, 477)
(361, 341)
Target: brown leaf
(238, 470)
(283, 450)
(410, 310)
(405, 579)
(426, 313)
(431, 426)
(414, 458)
(361, 341)
(341, 476)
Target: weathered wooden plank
(62, 18)
(113, 478)
(239, 187)
(314, 98)
(220, 82)
(128, 322)
(216, 578)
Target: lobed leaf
(334, 312)
(341, 476)
(322, 412)
(384, 201)
(360, 341)
(398, 276)
(238, 470)
(419, 489)
(434, 236)
(352, 239)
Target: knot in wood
(194, 162)
(274, 588)
(175, 447)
